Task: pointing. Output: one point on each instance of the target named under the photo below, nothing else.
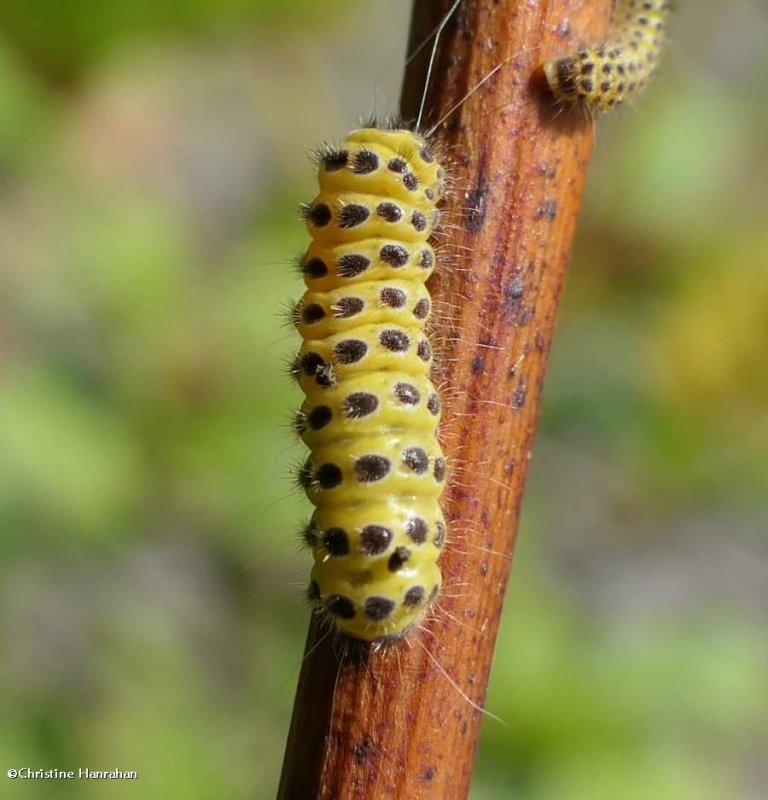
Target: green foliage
(588, 710)
(24, 111)
(63, 39)
(88, 483)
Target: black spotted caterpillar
(370, 416)
(601, 77)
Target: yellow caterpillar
(601, 77)
(376, 471)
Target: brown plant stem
(402, 722)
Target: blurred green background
(151, 159)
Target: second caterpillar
(376, 471)
(603, 76)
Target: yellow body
(376, 471)
(602, 77)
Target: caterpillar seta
(604, 76)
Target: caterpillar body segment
(375, 471)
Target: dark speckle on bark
(514, 292)
(477, 199)
(361, 751)
(547, 210)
